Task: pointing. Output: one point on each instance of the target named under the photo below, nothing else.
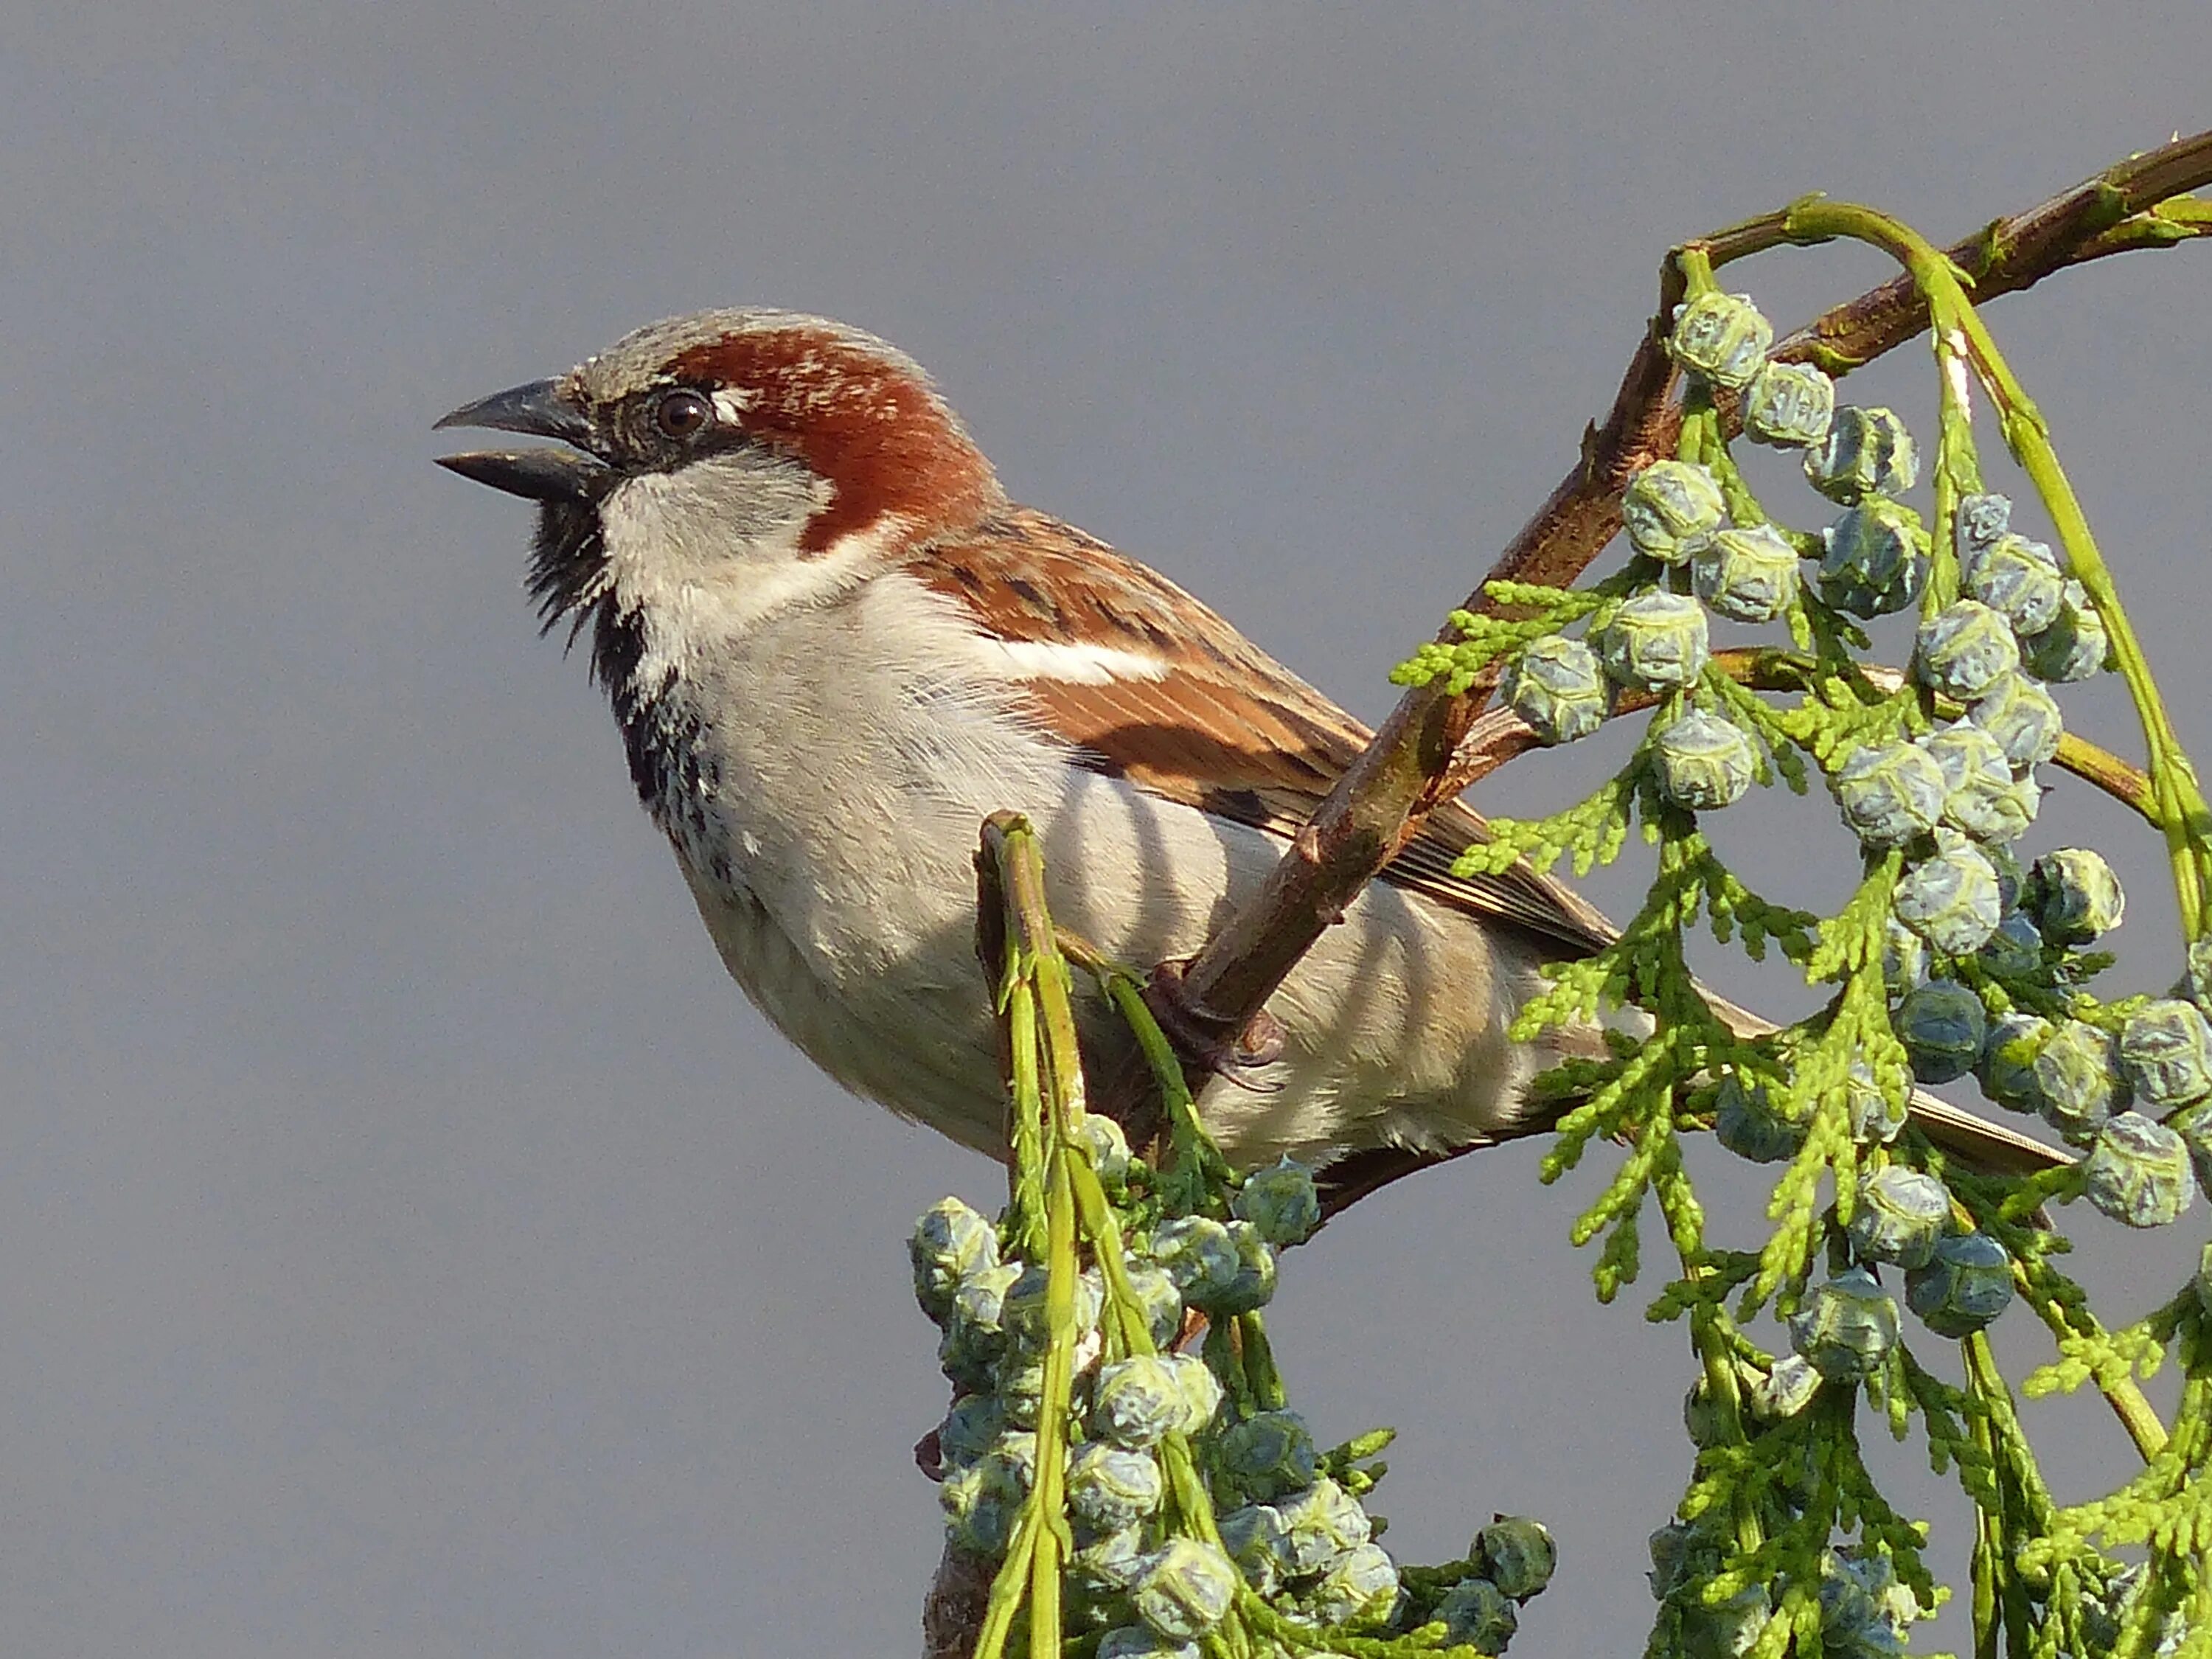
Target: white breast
(845, 755)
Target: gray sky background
(413, 1245)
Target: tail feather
(1991, 1147)
(1980, 1144)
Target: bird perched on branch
(833, 645)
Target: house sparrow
(833, 647)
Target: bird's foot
(1208, 1039)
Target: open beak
(538, 409)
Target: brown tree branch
(1409, 768)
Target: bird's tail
(1975, 1141)
(1990, 1147)
(1982, 1145)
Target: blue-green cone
(1749, 574)
(1845, 1604)
(978, 1517)
(1982, 521)
(1900, 1217)
(2078, 1083)
(1199, 1391)
(2007, 1070)
(2012, 877)
(1136, 1642)
(1680, 1552)
(974, 1339)
(1282, 1203)
(1253, 1537)
(2075, 896)
(1995, 816)
(1876, 558)
(2023, 718)
(1156, 1295)
(1361, 1583)
(970, 1428)
(1556, 686)
(1114, 1562)
(1517, 1554)
(980, 1297)
(1964, 650)
(1670, 508)
(2196, 973)
(1703, 1420)
(1875, 1117)
(2015, 950)
(1942, 1026)
(1845, 1327)
(1982, 800)
(1789, 405)
(1705, 763)
(1197, 1252)
(1889, 793)
(1745, 1122)
(2105, 1609)
(2019, 580)
(1185, 1589)
(1950, 900)
(982, 1501)
(1729, 1629)
(2074, 647)
(1864, 1610)
(1022, 1308)
(1253, 1284)
(969, 1357)
(1266, 1455)
(1476, 1614)
(1784, 1390)
(1136, 1402)
(950, 1240)
(1319, 1524)
(1110, 1487)
(1655, 643)
(2194, 1126)
(2138, 1171)
(2165, 1053)
(1721, 337)
(1101, 1136)
(1868, 452)
(1903, 957)
(1967, 1283)
(1963, 752)
(1019, 1381)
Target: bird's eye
(683, 413)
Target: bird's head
(755, 455)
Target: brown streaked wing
(1228, 728)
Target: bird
(833, 645)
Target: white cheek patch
(1071, 665)
(669, 555)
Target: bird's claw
(1207, 1039)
